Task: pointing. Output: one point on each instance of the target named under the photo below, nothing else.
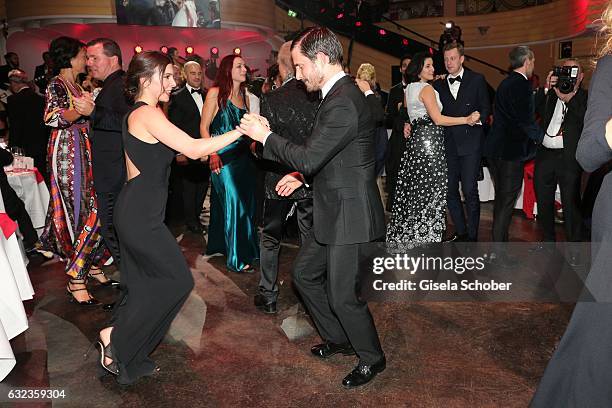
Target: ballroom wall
(256, 47)
(542, 27)
(488, 37)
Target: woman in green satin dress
(232, 229)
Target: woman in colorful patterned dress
(72, 228)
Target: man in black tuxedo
(12, 62)
(43, 72)
(348, 212)
(513, 138)
(290, 110)
(461, 93)
(562, 118)
(395, 117)
(106, 116)
(185, 111)
(25, 111)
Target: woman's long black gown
(154, 274)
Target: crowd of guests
(317, 135)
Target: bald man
(290, 109)
(184, 111)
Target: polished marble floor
(222, 352)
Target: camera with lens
(566, 78)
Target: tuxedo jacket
(515, 134)
(394, 118)
(25, 111)
(290, 110)
(108, 160)
(376, 109)
(4, 71)
(40, 77)
(572, 124)
(184, 113)
(6, 158)
(340, 155)
(473, 96)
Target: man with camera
(561, 105)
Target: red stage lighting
(382, 31)
(214, 52)
(163, 49)
(405, 41)
(323, 10)
(340, 16)
(358, 23)
(431, 50)
(237, 50)
(189, 50)
(138, 49)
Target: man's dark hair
(405, 57)
(46, 55)
(9, 54)
(454, 45)
(171, 51)
(111, 48)
(319, 39)
(519, 55)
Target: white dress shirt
(554, 126)
(330, 83)
(196, 97)
(454, 87)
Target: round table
(14, 288)
(32, 190)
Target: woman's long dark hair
(224, 80)
(62, 50)
(415, 67)
(144, 65)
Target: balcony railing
(407, 9)
(472, 7)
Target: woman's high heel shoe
(105, 352)
(70, 292)
(107, 282)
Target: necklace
(73, 88)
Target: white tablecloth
(15, 286)
(35, 195)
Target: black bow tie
(452, 80)
(193, 90)
(404, 86)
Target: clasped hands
(255, 126)
(473, 118)
(84, 104)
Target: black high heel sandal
(109, 281)
(89, 302)
(105, 352)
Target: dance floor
(222, 352)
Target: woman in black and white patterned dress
(418, 213)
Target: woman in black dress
(580, 372)
(155, 275)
